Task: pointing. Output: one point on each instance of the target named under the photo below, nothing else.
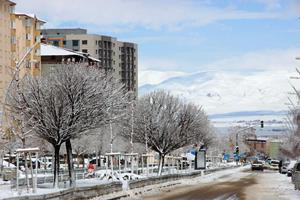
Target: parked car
(284, 167)
(296, 175)
(274, 165)
(257, 165)
(290, 167)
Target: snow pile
(8, 165)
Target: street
(244, 185)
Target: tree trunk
(97, 161)
(70, 162)
(77, 155)
(1, 164)
(161, 163)
(31, 169)
(56, 165)
(26, 172)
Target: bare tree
(166, 123)
(291, 145)
(70, 101)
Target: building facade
(7, 33)
(19, 44)
(257, 145)
(57, 37)
(121, 58)
(18, 33)
(27, 28)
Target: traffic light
(261, 124)
(237, 150)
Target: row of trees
(73, 101)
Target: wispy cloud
(120, 15)
(256, 61)
(270, 59)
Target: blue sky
(185, 36)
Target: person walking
(280, 166)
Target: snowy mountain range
(225, 94)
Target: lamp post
(131, 135)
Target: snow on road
(272, 185)
(238, 183)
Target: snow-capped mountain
(224, 92)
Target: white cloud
(264, 60)
(125, 14)
(272, 59)
(270, 4)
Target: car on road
(296, 175)
(274, 165)
(290, 167)
(284, 168)
(257, 165)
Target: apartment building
(27, 28)
(19, 32)
(57, 37)
(6, 45)
(119, 57)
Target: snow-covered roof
(50, 50)
(31, 15)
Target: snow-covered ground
(6, 190)
(271, 185)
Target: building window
(13, 40)
(28, 22)
(75, 42)
(84, 50)
(55, 43)
(84, 42)
(64, 42)
(13, 24)
(96, 51)
(28, 36)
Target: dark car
(296, 175)
(257, 165)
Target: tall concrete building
(7, 45)
(27, 29)
(18, 33)
(119, 57)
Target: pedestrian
(279, 166)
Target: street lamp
(131, 135)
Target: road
(243, 185)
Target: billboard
(200, 159)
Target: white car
(284, 168)
(290, 167)
(274, 165)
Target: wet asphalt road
(219, 191)
(252, 186)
